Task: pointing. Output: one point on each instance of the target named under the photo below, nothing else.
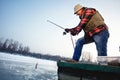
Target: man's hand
(72, 31)
(67, 30)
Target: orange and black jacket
(86, 16)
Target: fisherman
(95, 30)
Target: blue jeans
(100, 40)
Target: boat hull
(85, 71)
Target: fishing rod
(55, 24)
(64, 33)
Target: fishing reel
(64, 33)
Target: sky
(26, 21)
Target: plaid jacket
(85, 17)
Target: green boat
(87, 71)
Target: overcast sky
(26, 21)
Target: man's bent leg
(78, 48)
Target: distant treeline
(45, 56)
(14, 47)
(9, 45)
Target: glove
(67, 30)
(73, 32)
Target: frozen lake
(15, 67)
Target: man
(95, 30)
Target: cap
(77, 8)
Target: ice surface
(15, 67)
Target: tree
(5, 45)
(20, 48)
(15, 46)
(26, 49)
(1, 43)
(10, 46)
